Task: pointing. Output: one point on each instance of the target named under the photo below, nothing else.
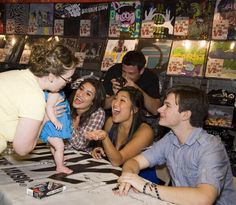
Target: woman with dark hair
(126, 134)
(87, 112)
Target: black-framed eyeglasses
(66, 80)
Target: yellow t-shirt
(20, 96)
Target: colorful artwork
(224, 21)
(115, 50)
(125, 19)
(156, 52)
(17, 17)
(221, 61)
(157, 19)
(193, 19)
(41, 19)
(2, 15)
(187, 58)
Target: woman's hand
(96, 135)
(59, 110)
(98, 153)
(128, 180)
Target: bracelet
(157, 192)
(144, 187)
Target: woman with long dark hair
(126, 134)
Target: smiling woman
(126, 134)
(87, 112)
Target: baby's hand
(58, 125)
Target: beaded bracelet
(144, 187)
(156, 190)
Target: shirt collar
(192, 138)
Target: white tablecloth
(91, 182)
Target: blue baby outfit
(49, 129)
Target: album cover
(45, 189)
(221, 61)
(193, 19)
(156, 52)
(115, 50)
(40, 19)
(17, 18)
(90, 53)
(125, 19)
(187, 58)
(66, 19)
(157, 19)
(224, 21)
(94, 20)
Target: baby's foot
(64, 169)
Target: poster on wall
(2, 15)
(187, 58)
(221, 61)
(66, 19)
(157, 19)
(156, 52)
(94, 20)
(41, 19)
(17, 18)
(193, 19)
(115, 51)
(224, 21)
(90, 53)
(125, 19)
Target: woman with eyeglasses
(22, 104)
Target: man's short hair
(134, 58)
(192, 99)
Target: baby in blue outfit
(57, 129)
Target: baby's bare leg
(58, 153)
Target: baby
(57, 129)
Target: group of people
(32, 106)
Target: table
(91, 182)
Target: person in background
(22, 104)
(57, 129)
(197, 161)
(134, 73)
(125, 134)
(87, 112)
